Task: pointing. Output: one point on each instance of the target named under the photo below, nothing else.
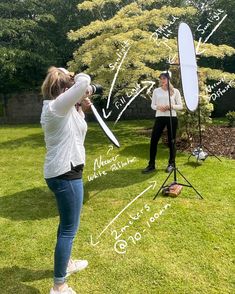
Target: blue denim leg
(69, 198)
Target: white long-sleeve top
(64, 129)
(161, 97)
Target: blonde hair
(55, 83)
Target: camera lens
(97, 89)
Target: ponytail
(55, 83)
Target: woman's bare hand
(163, 108)
(167, 107)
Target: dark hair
(165, 74)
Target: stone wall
(26, 108)
(22, 108)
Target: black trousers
(160, 123)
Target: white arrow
(172, 59)
(136, 95)
(152, 186)
(113, 83)
(215, 28)
(198, 52)
(106, 115)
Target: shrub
(231, 118)
(189, 122)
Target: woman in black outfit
(160, 103)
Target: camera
(97, 89)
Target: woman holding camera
(160, 103)
(65, 129)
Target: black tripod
(199, 149)
(175, 170)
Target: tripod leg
(163, 185)
(189, 156)
(189, 183)
(213, 154)
(198, 152)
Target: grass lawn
(187, 248)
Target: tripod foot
(163, 185)
(175, 170)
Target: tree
(146, 32)
(33, 36)
(21, 51)
(207, 11)
(138, 25)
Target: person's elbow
(178, 107)
(82, 86)
(82, 77)
(82, 81)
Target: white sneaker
(76, 266)
(67, 290)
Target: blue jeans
(69, 198)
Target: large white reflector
(104, 127)
(188, 66)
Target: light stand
(175, 170)
(199, 149)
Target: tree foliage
(20, 23)
(150, 29)
(33, 36)
(135, 23)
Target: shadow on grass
(113, 180)
(141, 150)
(193, 163)
(13, 279)
(34, 140)
(97, 137)
(33, 204)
